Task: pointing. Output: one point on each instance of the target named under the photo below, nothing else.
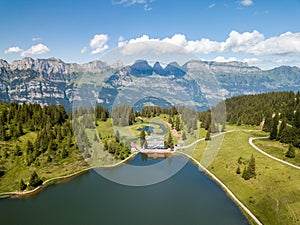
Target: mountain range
(52, 81)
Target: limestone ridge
(52, 81)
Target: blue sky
(260, 32)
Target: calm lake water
(187, 198)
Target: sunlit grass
(273, 196)
(277, 149)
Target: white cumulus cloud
(253, 43)
(242, 42)
(15, 49)
(99, 43)
(287, 43)
(33, 50)
(246, 2)
(36, 50)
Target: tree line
(52, 142)
(277, 112)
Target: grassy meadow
(273, 195)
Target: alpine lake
(189, 197)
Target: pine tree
(289, 135)
(170, 121)
(64, 153)
(240, 160)
(267, 123)
(118, 136)
(291, 152)
(281, 128)
(142, 137)
(19, 130)
(34, 180)
(297, 118)
(22, 185)
(183, 136)
(238, 170)
(177, 126)
(208, 137)
(29, 147)
(274, 129)
(245, 174)
(251, 167)
(105, 145)
(206, 120)
(2, 133)
(49, 158)
(103, 116)
(170, 143)
(18, 151)
(170, 140)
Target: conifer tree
(2, 133)
(183, 136)
(35, 180)
(291, 152)
(267, 123)
(142, 137)
(289, 135)
(245, 174)
(170, 121)
(208, 137)
(251, 167)
(238, 170)
(297, 118)
(274, 129)
(118, 136)
(22, 185)
(105, 145)
(177, 126)
(170, 143)
(64, 153)
(281, 128)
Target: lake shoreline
(66, 178)
(58, 180)
(248, 214)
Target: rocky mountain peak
(52, 81)
(117, 65)
(173, 68)
(157, 68)
(4, 64)
(141, 68)
(52, 66)
(23, 64)
(94, 66)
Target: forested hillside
(33, 139)
(277, 113)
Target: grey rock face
(52, 81)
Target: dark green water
(188, 198)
